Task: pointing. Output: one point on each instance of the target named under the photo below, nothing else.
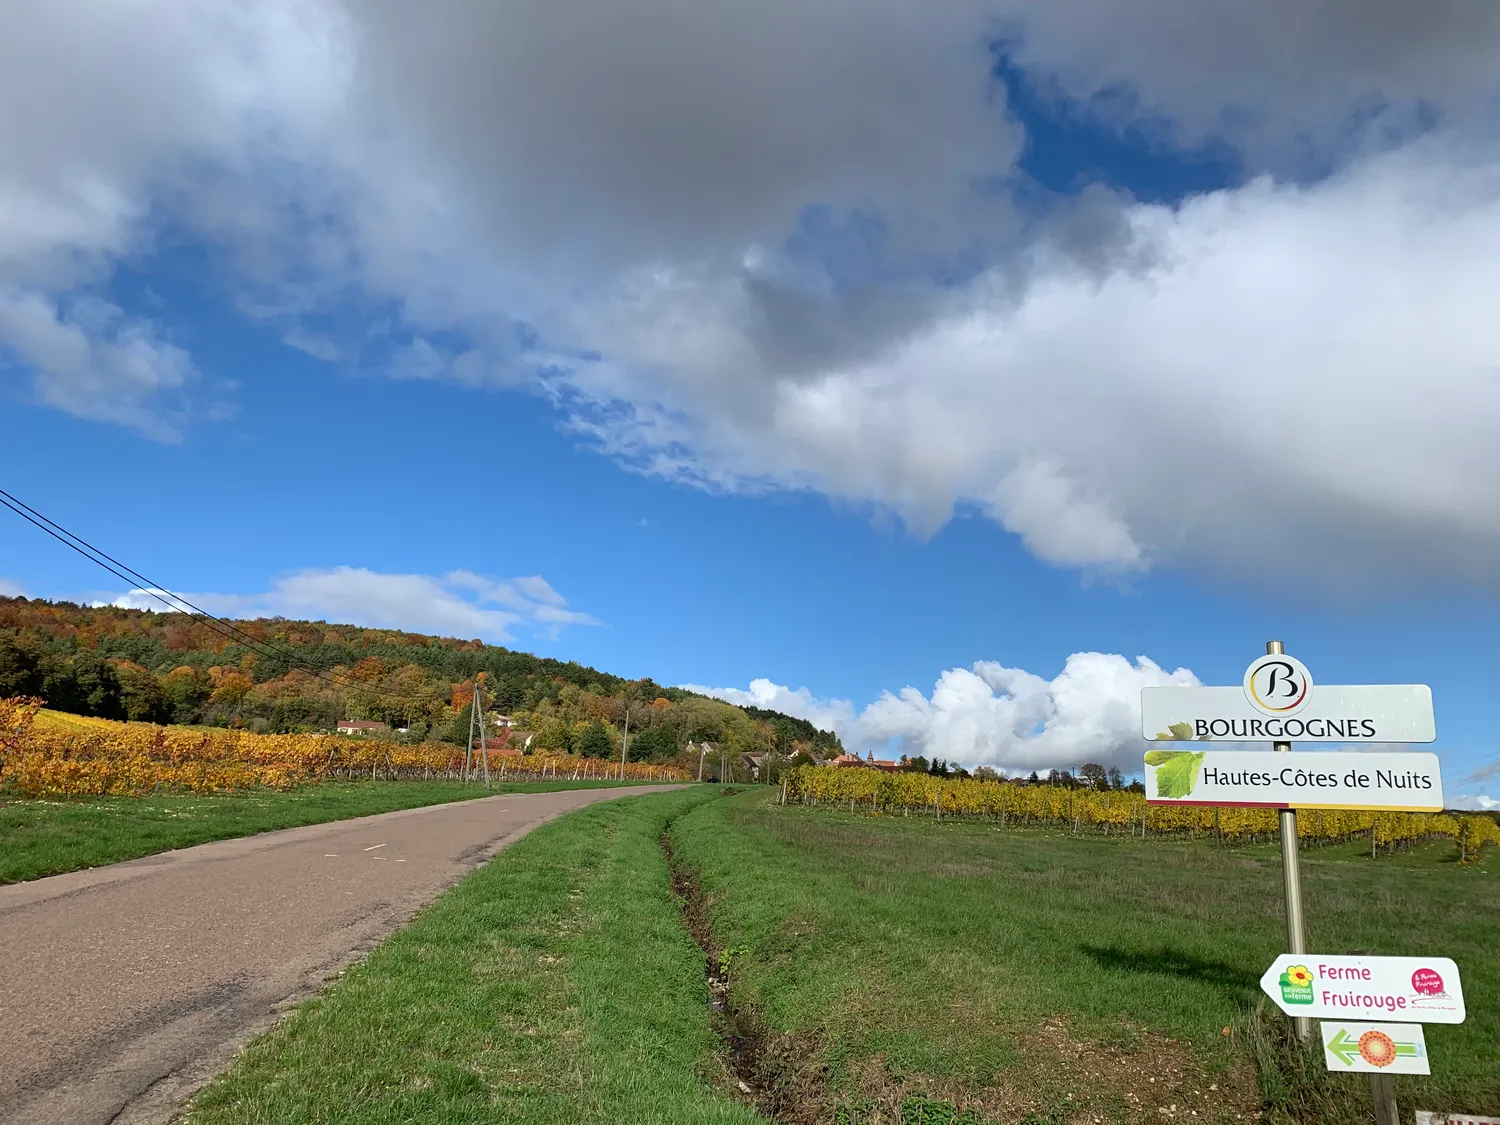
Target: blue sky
(945, 357)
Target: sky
(942, 373)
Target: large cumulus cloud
(991, 715)
(787, 245)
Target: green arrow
(1345, 1048)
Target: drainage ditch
(762, 1066)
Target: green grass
(48, 837)
(556, 984)
(897, 971)
(916, 957)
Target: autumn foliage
(44, 754)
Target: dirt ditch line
(762, 1065)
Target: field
(866, 970)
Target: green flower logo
(1296, 984)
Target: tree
(1094, 775)
(184, 693)
(140, 694)
(21, 657)
(1116, 779)
(594, 741)
(653, 743)
(458, 727)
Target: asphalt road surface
(123, 989)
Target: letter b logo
(1278, 685)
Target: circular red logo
(1427, 982)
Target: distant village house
(361, 726)
(869, 761)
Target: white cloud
(115, 121)
(1300, 383)
(826, 714)
(96, 362)
(1478, 803)
(1273, 382)
(990, 715)
(459, 604)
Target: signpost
(1375, 1048)
(1406, 989)
(1279, 703)
(1407, 782)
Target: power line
(176, 602)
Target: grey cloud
(629, 132)
(1277, 76)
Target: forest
(283, 676)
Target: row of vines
(1117, 811)
(98, 757)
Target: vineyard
(1118, 811)
(44, 754)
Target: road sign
(1311, 779)
(1375, 1048)
(1330, 713)
(1405, 989)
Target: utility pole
(625, 742)
(702, 753)
(476, 719)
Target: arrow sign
(1375, 1048)
(1409, 989)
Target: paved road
(123, 989)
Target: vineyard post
(1291, 878)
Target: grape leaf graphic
(1176, 771)
(1178, 732)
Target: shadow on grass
(1176, 962)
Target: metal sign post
(1291, 877)
(1277, 701)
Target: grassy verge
(556, 984)
(1034, 976)
(51, 836)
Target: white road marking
(372, 847)
(330, 855)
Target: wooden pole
(1383, 1094)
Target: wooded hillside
(291, 676)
